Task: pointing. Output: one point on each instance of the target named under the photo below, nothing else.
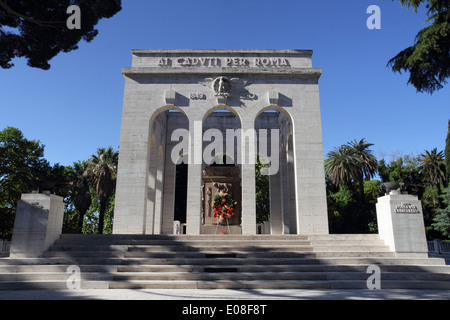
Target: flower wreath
(223, 205)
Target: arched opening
(274, 130)
(221, 170)
(167, 172)
(181, 174)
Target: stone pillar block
(401, 226)
(38, 223)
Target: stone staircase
(222, 261)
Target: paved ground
(222, 294)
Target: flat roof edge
(223, 51)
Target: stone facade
(168, 90)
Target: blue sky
(76, 106)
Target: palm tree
(351, 162)
(433, 167)
(342, 165)
(101, 171)
(80, 193)
(367, 162)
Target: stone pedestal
(401, 226)
(215, 180)
(38, 223)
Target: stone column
(401, 226)
(312, 215)
(132, 176)
(38, 223)
(193, 205)
(248, 149)
(276, 217)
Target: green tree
(342, 165)
(447, 153)
(80, 194)
(22, 168)
(351, 162)
(262, 193)
(101, 171)
(367, 163)
(442, 219)
(37, 30)
(351, 206)
(428, 59)
(433, 167)
(347, 213)
(403, 169)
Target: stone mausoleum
(193, 124)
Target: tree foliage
(87, 187)
(37, 30)
(433, 166)
(262, 193)
(347, 168)
(447, 153)
(22, 169)
(352, 195)
(442, 219)
(80, 191)
(351, 162)
(428, 59)
(101, 170)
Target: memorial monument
(187, 108)
(193, 124)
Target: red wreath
(223, 206)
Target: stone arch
(222, 107)
(161, 170)
(221, 120)
(278, 146)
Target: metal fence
(439, 247)
(4, 248)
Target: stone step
(224, 248)
(354, 254)
(216, 261)
(353, 243)
(60, 261)
(276, 284)
(337, 237)
(7, 269)
(179, 248)
(286, 261)
(288, 276)
(237, 254)
(84, 254)
(51, 276)
(130, 239)
(216, 255)
(285, 268)
(192, 243)
(51, 285)
(239, 261)
(227, 284)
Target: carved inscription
(198, 96)
(406, 208)
(225, 62)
